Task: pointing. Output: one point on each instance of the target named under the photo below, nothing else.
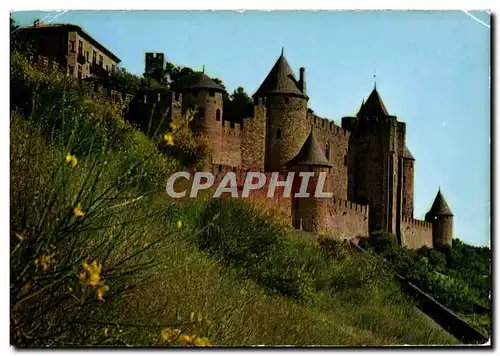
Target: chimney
(302, 79)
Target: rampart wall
(416, 233)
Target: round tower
(286, 104)
(441, 218)
(309, 212)
(202, 94)
(408, 177)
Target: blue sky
(432, 71)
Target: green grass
(231, 273)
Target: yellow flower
(185, 339)
(169, 138)
(91, 274)
(170, 334)
(72, 160)
(101, 290)
(191, 317)
(106, 332)
(77, 210)
(45, 260)
(173, 126)
(179, 224)
(201, 341)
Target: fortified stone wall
(231, 144)
(253, 144)
(334, 140)
(277, 202)
(336, 217)
(416, 233)
(99, 92)
(408, 176)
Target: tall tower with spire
(441, 217)
(376, 176)
(284, 100)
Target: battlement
(150, 97)
(349, 205)
(231, 128)
(99, 92)
(326, 125)
(410, 222)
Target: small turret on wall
(308, 212)
(441, 218)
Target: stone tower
(285, 102)
(377, 144)
(202, 94)
(441, 218)
(156, 66)
(308, 211)
(407, 162)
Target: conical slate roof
(440, 207)
(407, 154)
(280, 80)
(310, 154)
(361, 107)
(374, 106)
(197, 81)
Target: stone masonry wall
(253, 142)
(231, 144)
(416, 233)
(287, 129)
(334, 141)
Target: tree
(238, 105)
(18, 41)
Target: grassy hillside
(100, 256)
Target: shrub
(77, 239)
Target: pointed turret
(374, 106)
(310, 154)
(361, 107)
(280, 80)
(441, 217)
(440, 206)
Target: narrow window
(72, 46)
(79, 72)
(211, 92)
(217, 114)
(94, 60)
(327, 150)
(80, 48)
(87, 55)
(100, 60)
(278, 133)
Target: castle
(370, 170)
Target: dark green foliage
(238, 106)
(458, 277)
